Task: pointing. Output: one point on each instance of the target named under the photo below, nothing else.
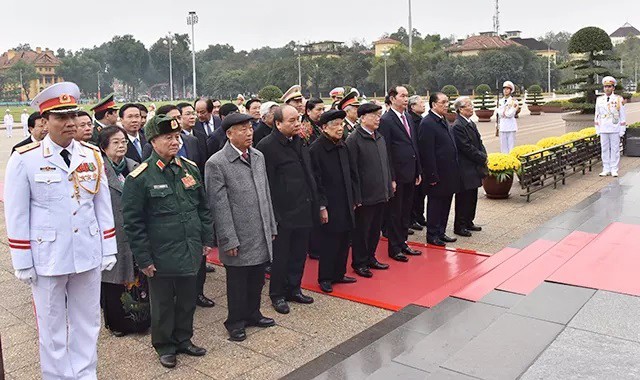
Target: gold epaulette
(88, 145)
(189, 161)
(28, 147)
(138, 170)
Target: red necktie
(406, 125)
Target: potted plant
(534, 99)
(555, 106)
(502, 168)
(452, 92)
(484, 103)
(631, 140)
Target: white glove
(28, 276)
(621, 134)
(108, 262)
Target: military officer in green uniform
(169, 226)
(105, 114)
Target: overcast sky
(248, 24)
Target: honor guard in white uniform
(611, 124)
(61, 234)
(507, 110)
(24, 120)
(8, 122)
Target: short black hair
(393, 91)
(207, 101)
(31, 122)
(106, 133)
(163, 110)
(433, 98)
(102, 114)
(142, 107)
(83, 113)
(387, 100)
(311, 104)
(126, 107)
(182, 105)
(250, 102)
(227, 109)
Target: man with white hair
(265, 125)
(611, 124)
(8, 122)
(507, 110)
(24, 120)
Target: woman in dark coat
(332, 172)
(310, 131)
(124, 294)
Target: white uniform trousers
(9, 128)
(25, 129)
(610, 144)
(507, 141)
(68, 329)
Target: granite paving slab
(399, 372)
(502, 299)
(553, 302)
(610, 314)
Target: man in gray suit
(240, 199)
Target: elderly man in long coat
(239, 195)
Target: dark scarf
(119, 168)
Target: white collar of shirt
(438, 115)
(367, 130)
(133, 138)
(397, 113)
(236, 149)
(57, 148)
(350, 123)
(464, 117)
(188, 133)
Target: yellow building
(384, 45)
(45, 63)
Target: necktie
(373, 134)
(207, 128)
(246, 157)
(66, 156)
(607, 99)
(136, 144)
(406, 125)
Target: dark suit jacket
(472, 156)
(439, 157)
(332, 172)
(293, 188)
(217, 122)
(203, 152)
(24, 142)
(132, 153)
(403, 150)
(262, 131)
(216, 141)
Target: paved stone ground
(308, 331)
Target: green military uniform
(167, 220)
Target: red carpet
(403, 283)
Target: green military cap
(160, 125)
(105, 104)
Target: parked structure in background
(45, 62)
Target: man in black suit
(439, 157)
(37, 130)
(131, 122)
(266, 124)
(187, 123)
(472, 158)
(402, 145)
(416, 110)
(218, 138)
(293, 192)
(208, 115)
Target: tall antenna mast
(496, 19)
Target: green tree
(21, 74)
(128, 60)
(83, 71)
(270, 93)
(180, 59)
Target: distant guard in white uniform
(611, 124)
(24, 120)
(61, 234)
(8, 122)
(507, 110)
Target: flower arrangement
(588, 132)
(502, 166)
(549, 142)
(522, 150)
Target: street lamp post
(385, 56)
(169, 40)
(298, 48)
(549, 68)
(410, 31)
(192, 20)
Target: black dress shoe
(436, 242)
(345, 280)
(281, 306)
(463, 232)
(210, 268)
(422, 223)
(237, 335)
(267, 269)
(326, 287)
(448, 239)
(363, 272)
(168, 361)
(400, 257)
(410, 251)
(474, 228)
(378, 265)
(203, 301)
(192, 350)
(300, 298)
(263, 322)
(416, 226)
(410, 232)
(118, 334)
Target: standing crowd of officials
(268, 186)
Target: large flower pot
(553, 109)
(450, 116)
(497, 190)
(535, 110)
(575, 121)
(484, 115)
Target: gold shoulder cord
(77, 184)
